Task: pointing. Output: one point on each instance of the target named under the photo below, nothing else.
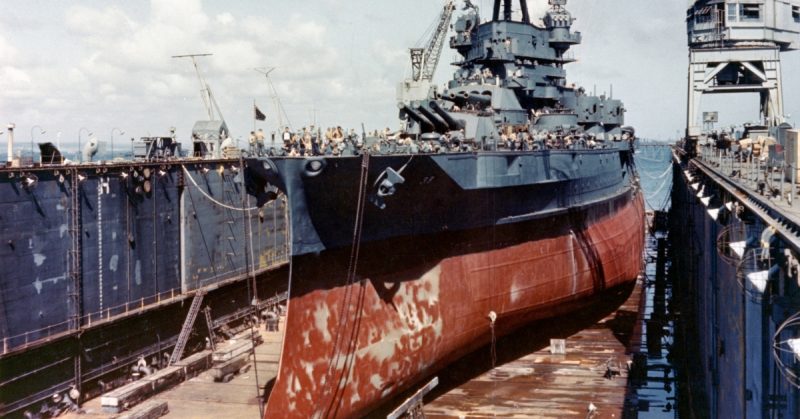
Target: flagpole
(254, 115)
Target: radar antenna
(205, 90)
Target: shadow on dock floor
(530, 382)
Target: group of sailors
(338, 142)
(522, 140)
(744, 149)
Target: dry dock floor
(202, 397)
(530, 382)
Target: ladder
(210, 324)
(186, 330)
(75, 293)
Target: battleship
(509, 196)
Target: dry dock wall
(97, 261)
(729, 323)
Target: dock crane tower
(735, 47)
(425, 60)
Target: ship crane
(425, 60)
(205, 90)
(210, 137)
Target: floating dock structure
(740, 298)
(106, 264)
(735, 209)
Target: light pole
(80, 153)
(121, 132)
(41, 132)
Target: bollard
(794, 184)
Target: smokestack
(10, 155)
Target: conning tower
(511, 75)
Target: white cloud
(106, 64)
(14, 82)
(100, 23)
(7, 51)
(225, 19)
(186, 15)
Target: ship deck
(530, 381)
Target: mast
(507, 10)
(276, 100)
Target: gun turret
(424, 123)
(481, 100)
(452, 123)
(441, 126)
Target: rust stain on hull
(352, 347)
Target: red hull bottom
(348, 349)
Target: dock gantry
(734, 47)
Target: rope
(661, 176)
(651, 160)
(660, 188)
(351, 273)
(210, 198)
(252, 288)
(664, 203)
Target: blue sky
(100, 65)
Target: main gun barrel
(451, 122)
(441, 126)
(425, 124)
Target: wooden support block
(126, 396)
(150, 410)
(229, 368)
(132, 394)
(195, 364)
(229, 352)
(167, 378)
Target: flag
(258, 114)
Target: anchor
(386, 186)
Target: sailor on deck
(287, 136)
(260, 141)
